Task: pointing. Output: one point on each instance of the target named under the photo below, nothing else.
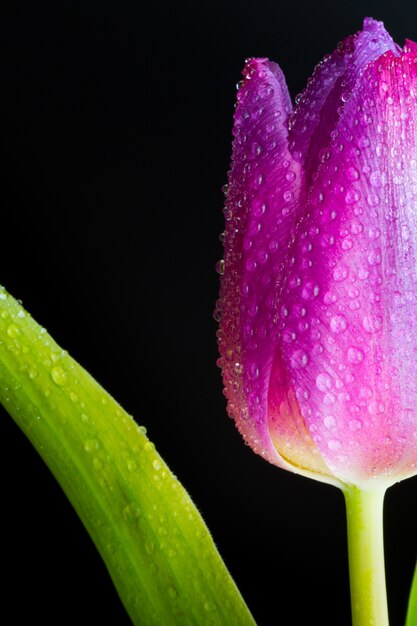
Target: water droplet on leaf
(59, 375)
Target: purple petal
(331, 85)
(263, 195)
(352, 348)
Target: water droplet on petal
(220, 267)
(371, 323)
(352, 196)
(323, 381)
(340, 273)
(376, 408)
(363, 273)
(329, 398)
(299, 359)
(253, 371)
(374, 44)
(355, 355)
(338, 324)
(334, 444)
(355, 424)
(352, 173)
(329, 421)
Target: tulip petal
(262, 205)
(351, 360)
(316, 113)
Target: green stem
(412, 603)
(364, 510)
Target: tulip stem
(364, 510)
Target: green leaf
(150, 535)
(411, 619)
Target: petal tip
(370, 23)
(253, 65)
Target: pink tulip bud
(318, 300)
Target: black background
(115, 138)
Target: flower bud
(318, 298)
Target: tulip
(318, 300)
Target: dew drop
(374, 257)
(253, 371)
(220, 267)
(329, 421)
(238, 369)
(310, 290)
(325, 155)
(299, 359)
(295, 281)
(13, 331)
(340, 273)
(356, 228)
(363, 273)
(352, 174)
(376, 408)
(131, 466)
(131, 512)
(59, 375)
(323, 381)
(374, 44)
(347, 243)
(363, 142)
(32, 373)
(91, 445)
(371, 323)
(259, 209)
(373, 199)
(334, 444)
(355, 355)
(329, 297)
(329, 398)
(338, 324)
(352, 196)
